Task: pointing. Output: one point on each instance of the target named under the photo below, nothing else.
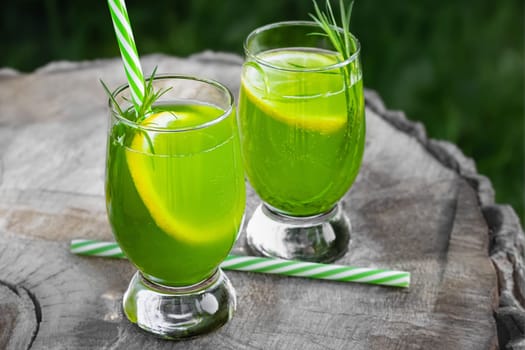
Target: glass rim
(270, 26)
(120, 89)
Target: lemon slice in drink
(151, 173)
(300, 59)
(294, 95)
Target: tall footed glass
(175, 199)
(302, 127)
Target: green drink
(173, 199)
(302, 128)
(302, 132)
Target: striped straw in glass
(128, 50)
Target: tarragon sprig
(342, 42)
(150, 97)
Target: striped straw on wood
(276, 266)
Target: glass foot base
(175, 313)
(321, 238)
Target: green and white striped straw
(276, 266)
(91, 247)
(128, 50)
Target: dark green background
(456, 66)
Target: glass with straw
(175, 194)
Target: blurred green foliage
(457, 66)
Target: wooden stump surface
(417, 205)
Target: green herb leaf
(150, 97)
(111, 97)
(342, 42)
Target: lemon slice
(150, 182)
(295, 97)
(299, 59)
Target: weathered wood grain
(417, 205)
